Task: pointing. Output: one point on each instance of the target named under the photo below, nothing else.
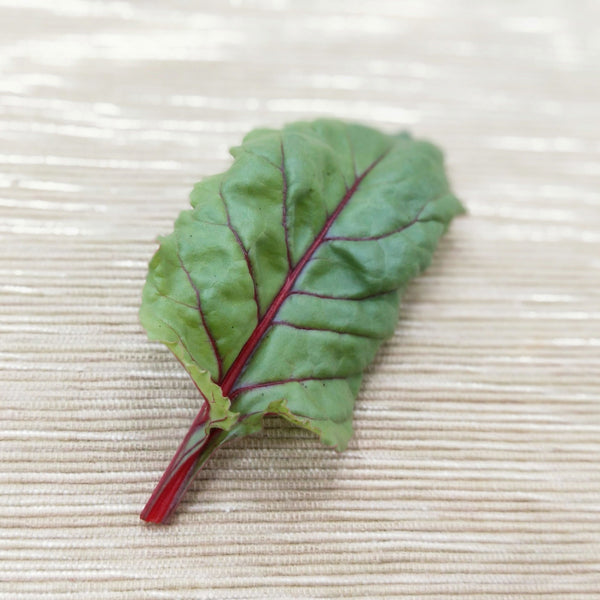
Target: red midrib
(238, 364)
(172, 485)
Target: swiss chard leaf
(277, 288)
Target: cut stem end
(191, 455)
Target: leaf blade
(294, 260)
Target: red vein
(380, 236)
(309, 328)
(349, 298)
(238, 364)
(264, 384)
(211, 339)
(284, 209)
(244, 252)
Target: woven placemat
(474, 471)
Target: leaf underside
(277, 288)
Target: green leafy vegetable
(277, 288)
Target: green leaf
(277, 288)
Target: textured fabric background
(474, 471)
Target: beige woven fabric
(474, 471)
